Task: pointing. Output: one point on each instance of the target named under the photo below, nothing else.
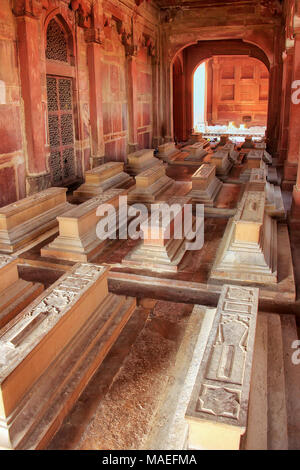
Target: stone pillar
(295, 212)
(285, 102)
(132, 100)
(275, 92)
(291, 164)
(94, 53)
(168, 76)
(215, 90)
(156, 96)
(28, 31)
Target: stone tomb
(160, 249)
(274, 203)
(24, 222)
(150, 184)
(140, 161)
(248, 250)
(196, 152)
(50, 351)
(248, 144)
(15, 293)
(254, 157)
(221, 160)
(78, 240)
(167, 152)
(232, 153)
(218, 409)
(198, 137)
(205, 185)
(111, 175)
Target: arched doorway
(200, 97)
(60, 91)
(237, 94)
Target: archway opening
(221, 87)
(230, 96)
(199, 98)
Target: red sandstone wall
(12, 155)
(144, 98)
(240, 87)
(111, 69)
(115, 107)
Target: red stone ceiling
(207, 3)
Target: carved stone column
(285, 102)
(168, 112)
(28, 31)
(156, 90)
(94, 54)
(131, 53)
(215, 90)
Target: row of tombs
(66, 294)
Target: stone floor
(139, 363)
(144, 356)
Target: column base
(35, 184)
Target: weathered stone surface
(167, 151)
(140, 161)
(196, 151)
(111, 175)
(205, 185)
(218, 408)
(161, 249)
(25, 220)
(254, 157)
(15, 293)
(78, 240)
(150, 184)
(67, 331)
(274, 205)
(221, 160)
(232, 153)
(248, 251)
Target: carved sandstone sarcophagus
(221, 160)
(164, 240)
(218, 408)
(150, 184)
(274, 202)
(205, 185)
(140, 161)
(24, 221)
(167, 152)
(50, 351)
(254, 157)
(78, 239)
(248, 251)
(111, 175)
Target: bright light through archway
(199, 96)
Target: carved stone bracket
(272, 7)
(32, 8)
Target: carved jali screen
(61, 129)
